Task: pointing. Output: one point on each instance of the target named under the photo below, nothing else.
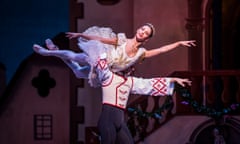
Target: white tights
(77, 62)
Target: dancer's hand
(182, 82)
(187, 43)
(72, 35)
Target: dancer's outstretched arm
(181, 81)
(159, 86)
(166, 48)
(111, 41)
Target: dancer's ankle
(50, 45)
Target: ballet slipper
(37, 48)
(40, 50)
(50, 45)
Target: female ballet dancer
(96, 41)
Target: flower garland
(156, 113)
(188, 100)
(200, 108)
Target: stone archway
(228, 130)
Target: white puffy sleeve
(160, 86)
(121, 38)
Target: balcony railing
(213, 89)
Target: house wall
(16, 121)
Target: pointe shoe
(40, 50)
(50, 45)
(37, 48)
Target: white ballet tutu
(94, 49)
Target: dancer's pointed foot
(50, 45)
(40, 50)
(37, 48)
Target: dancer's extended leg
(79, 71)
(64, 54)
(67, 56)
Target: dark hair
(152, 29)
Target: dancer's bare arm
(72, 35)
(166, 48)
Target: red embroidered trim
(102, 63)
(159, 86)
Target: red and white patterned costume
(116, 88)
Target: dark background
(23, 23)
